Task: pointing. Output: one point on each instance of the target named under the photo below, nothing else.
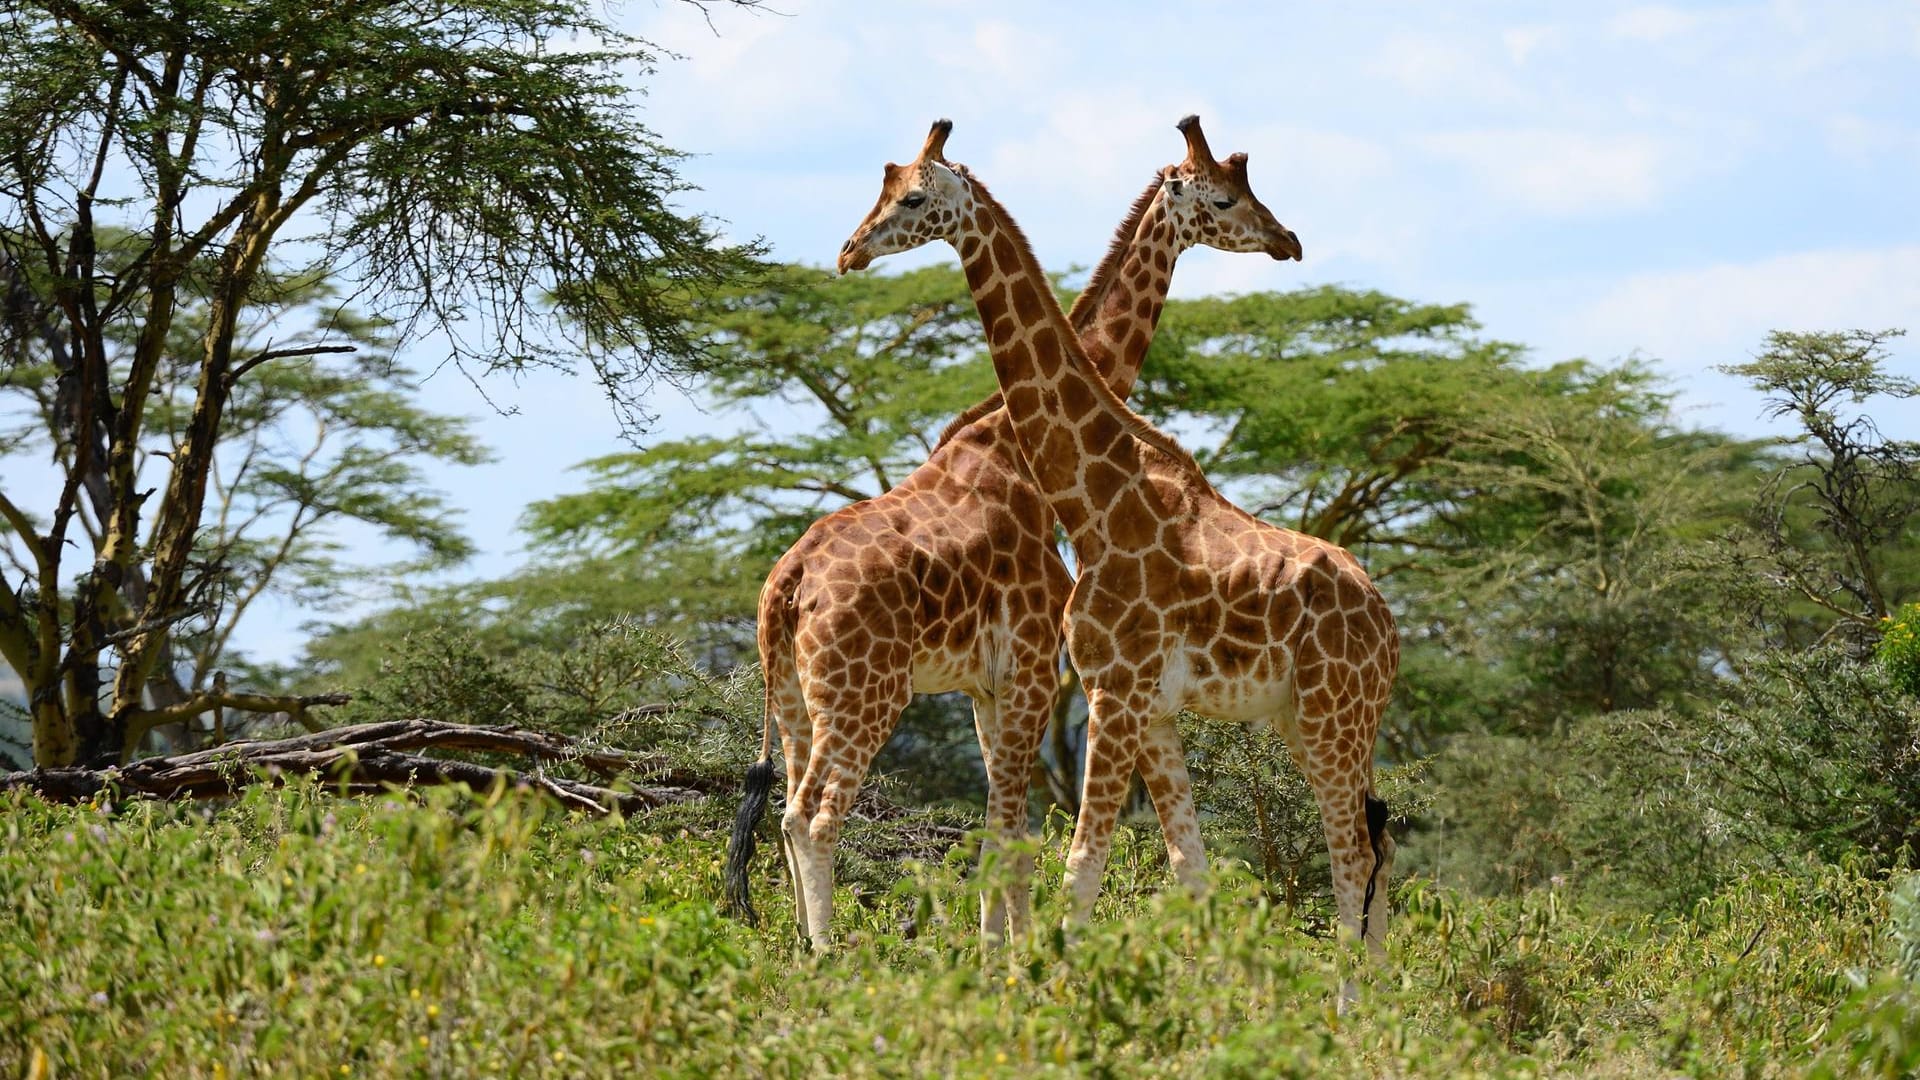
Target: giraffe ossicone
(951, 581)
(1183, 600)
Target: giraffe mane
(1131, 423)
(1086, 306)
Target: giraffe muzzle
(854, 256)
(1286, 246)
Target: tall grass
(295, 934)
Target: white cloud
(1864, 139)
(1560, 172)
(750, 78)
(1718, 314)
(1437, 68)
(1523, 41)
(1652, 23)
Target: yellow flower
(423, 1042)
(414, 993)
(1013, 980)
(433, 1011)
(559, 1056)
(345, 1070)
(359, 868)
(1000, 1058)
(379, 960)
(645, 920)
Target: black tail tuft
(1376, 829)
(753, 807)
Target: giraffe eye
(914, 201)
(1224, 204)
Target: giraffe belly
(1210, 683)
(936, 671)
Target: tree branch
(254, 361)
(372, 758)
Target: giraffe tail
(1376, 834)
(753, 806)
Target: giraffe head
(1210, 202)
(921, 201)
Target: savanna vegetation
(1654, 756)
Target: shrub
(1899, 649)
(1598, 808)
(1258, 807)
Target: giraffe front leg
(1114, 725)
(1163, 767)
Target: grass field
(294, 934)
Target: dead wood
(364, 758)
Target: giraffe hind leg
(850, 725)
(1163, 768)
(1021, 717)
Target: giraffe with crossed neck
(1183, 601)
(951, 581)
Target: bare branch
(254, 361)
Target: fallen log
(365, 758)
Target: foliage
(881, 359)
(1811, 752)
(1834, 535)
(1562, 560)
(616, 683)
(1596, 811)
(1899, 649)
(312, 448)
(296, 933)
(471, 165)
(1258, 807)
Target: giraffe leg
(993, 907)
(850, 724)
(1335, 751)
(1023, 713)
(796, 748)
(1114, 726)
(1163, 767)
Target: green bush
(1257, 807)
(1812, 752)
(1600, 809)
(292, 933)
(1899, 649)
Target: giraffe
(951, 580)
(1183, 601)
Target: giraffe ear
(1176, 187)
(949, 175)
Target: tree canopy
(472, 169)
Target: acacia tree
(307, 446)
(471, 164)
(1834, 531)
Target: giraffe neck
(1076, 436)
(1126, 304)
(1108, 313)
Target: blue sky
(1595, 179)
